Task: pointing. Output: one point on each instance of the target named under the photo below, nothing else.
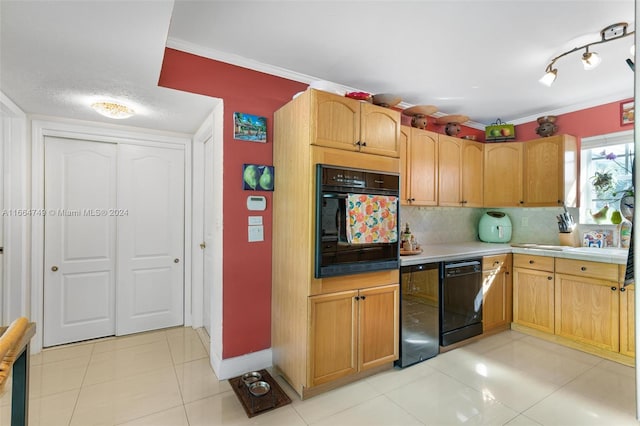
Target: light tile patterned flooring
(164, 378)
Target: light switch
(256, 233)
(255, 220)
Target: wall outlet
(524, 221)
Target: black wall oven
(341, 249)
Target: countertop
(459, 251)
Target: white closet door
(150, 282)
(80, 241)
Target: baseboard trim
(233, 367)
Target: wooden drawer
(585, 268)
(494, 262)
(539, 263)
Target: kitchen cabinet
(503, 174)
(344, 123)
(550, 172)
(321, 336)
(534, 292)
(460, 179)
(352, 331)
(497, 307)
(536, 173)
(587, 302)
(627, 316)
(418, 167)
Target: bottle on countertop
(625, 234)
(406, 238)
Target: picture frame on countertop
(627, 113)
(248, 127)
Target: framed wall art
(247, 127)
(627, 112)
(257, 177)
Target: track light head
(549, 77)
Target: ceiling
(479, 58)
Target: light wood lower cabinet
(352, 331)
(627, 320)
(533, 292)
(587, 310)
(496, 292)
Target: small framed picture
(627, 113)
(257, 177)
(247, 127)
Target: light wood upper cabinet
(459, 172)
(345, 123)
(550, 172)
(352, 331)
(533, 292)
(503, 174)
(497, 292)
(419, 167)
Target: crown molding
(243, 62)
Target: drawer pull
(583, 268)
(623, 289)
(549, 278)
(614, 288)
(531, 262)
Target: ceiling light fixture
(113, 110)
(590, 60)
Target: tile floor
(164, 378)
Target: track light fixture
(590, 60)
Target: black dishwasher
(460, 301)
(419, 314)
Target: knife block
(569, 239)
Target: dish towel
(372, 219)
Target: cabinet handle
(614, 288)
(506, 273)
(463, 202)
(363, 297)
(521, 201)
(584, 268)
(531, 262)
(357, 297)
(623, 289)
(363, 144)
(549, 278)
(54, 268)
(357, 143)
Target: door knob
(203, 245)
(54, 268)
(176, 260)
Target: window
(605, 171)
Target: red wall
(594, 121)
(246, 266)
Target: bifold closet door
(150, 284)
(80, 246)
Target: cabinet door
(503, 174)
(378, 326)
(627, 320)
(543, 172)
(472, 174)
(449, 171)
(533, 299)
(587, 310)
(423, 166)
(335, 121)
(333, 336)
(379, 130)
(497, 296)
(405, 165)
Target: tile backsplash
(439, 225)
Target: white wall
(14, 236)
